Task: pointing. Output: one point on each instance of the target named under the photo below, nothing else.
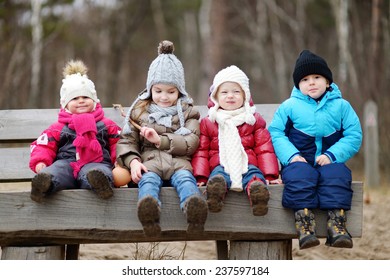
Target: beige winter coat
(175, 150)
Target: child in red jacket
(79, 150)
(235, 151)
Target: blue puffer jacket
(303, 126)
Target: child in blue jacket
(314, 133)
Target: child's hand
(151, 135)
(39, 167)
(298, 158)
(136, 169)
(323, 160)
(275, 182)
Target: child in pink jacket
(79, 150)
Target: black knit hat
(309, 63)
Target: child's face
(313, 85)
(81, 104)
(165, 95)
(230, 96)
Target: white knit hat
(232, 74)
(76, 83)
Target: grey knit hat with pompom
(166, 68)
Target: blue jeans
(182, 181)
(252, 171)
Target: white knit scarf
(231, 152)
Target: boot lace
(339, 223)
(307, 223)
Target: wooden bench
(55, 228)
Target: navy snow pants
(325, 187)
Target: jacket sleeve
(350, 143)
(266, 158)
(44, 148)
(200, 160)
(284, 149)
(128, 148)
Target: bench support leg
(33, 253)
(222, 250)
(72, 251)
(261, 250)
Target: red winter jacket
(255, 139)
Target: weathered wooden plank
(28, 124)
(33, 253)
(79, 217)
(14, 165)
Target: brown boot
(40, 185)
(259, 196)
(196, 211)
(216, 191)
(100, 184)
(149, 216)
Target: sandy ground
(374, 245)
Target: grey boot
(305, 225)
(338, 235)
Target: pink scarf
(88, 148)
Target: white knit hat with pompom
(76, 83)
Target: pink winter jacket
(56, 142)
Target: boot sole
(312, 241)
(196, 210)
(40, 184)
(149, 216)
(340, 242)
(216, 191)
(259, 196)
(100, 184)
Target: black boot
(338, 235)
(305, 225)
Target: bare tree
(158, 16)
(36, 51)
(374, 48)
(205, 72)
(346, 65)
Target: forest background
(118, 39)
